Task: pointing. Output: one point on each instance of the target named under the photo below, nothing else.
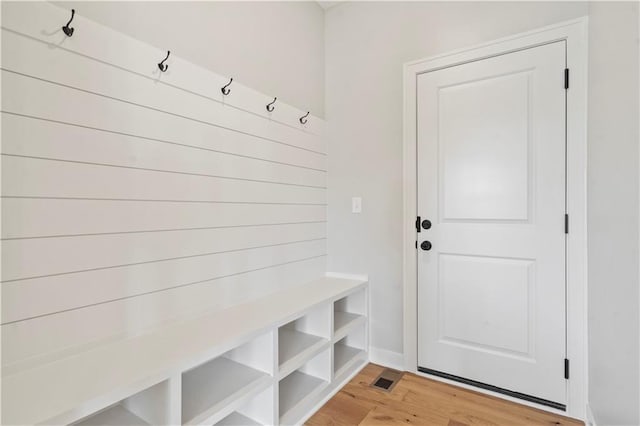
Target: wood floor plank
(493, 409)
(460, 405)
(402, 415)
(419, 401)
(342, 410)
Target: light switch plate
(356, 205)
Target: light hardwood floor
(419, 401)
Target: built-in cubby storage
(302, 338)
(237, 419)
(299, 389)
(258, 410)
(151, 406)
(266, 362)
(213, 390)
(349, 351)
(112, 416)
(349, 312)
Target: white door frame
(574, 32)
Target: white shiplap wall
(132, 197)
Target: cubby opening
(349, 352)
(258, 410)
(349, 312)
(149, 407)
(299, 390)
(213, 390)
(302, 338)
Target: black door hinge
(566, 223)
(566, 369)
(566, 78)
(418, 224)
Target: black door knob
(426, 224)
(425, 245)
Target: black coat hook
(224, 89)
(303, 119)
(162, 65)
(270, 106)
(67, 29)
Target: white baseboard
(386, 358)
(591, 420)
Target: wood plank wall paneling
(132, 197)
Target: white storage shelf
(345, 321)
(344, 356)
(116, 415)
(147, 407)
(297, 390)
(349, 312)
(237, 419)
(254, 410)
(271, 362)
(349, 345)
(295, 346)
(211, 388)
(303, 338)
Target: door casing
(574, 32)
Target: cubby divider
(349, 351)
(349, 312)
(259, 410)
(301, 339)
(213, 390)
(151, 406)
(299, 389)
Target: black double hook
(270, 106)
(303, 119)
(225, 91)
(163, 67)
(67, 29)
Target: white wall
(274, 47)
(613, 213)
(133, 197)
(366, 45)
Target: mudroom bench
(270, 361)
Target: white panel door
(491, 180)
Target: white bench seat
(76, 386)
